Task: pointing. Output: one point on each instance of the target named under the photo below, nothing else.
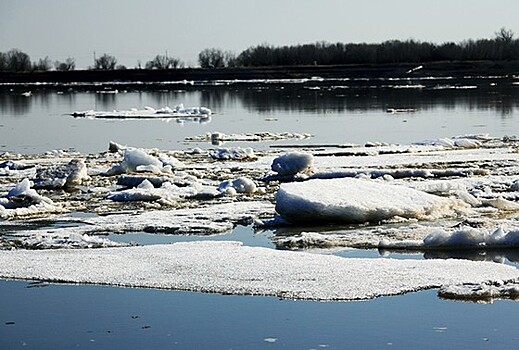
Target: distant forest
(503, 46)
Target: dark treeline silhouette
(502, 47)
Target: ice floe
(54, 240)
(239, 185)
(23, 201)
(217, 138)
(201, 220)
(358, 201)
(292, 163)
(148, 112)
(234, 153)
(135, 160)
(464, 238)
(231, 268)
(481, 292)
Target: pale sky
(139, 30)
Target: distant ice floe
(217, 138)
(359, 201)
(234, 153)
(231, 268)
(461, 141)
(148, 112)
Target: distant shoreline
(456, 71)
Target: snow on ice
(358, 201)
(231, 268)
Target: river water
(52, 316)
(333, 114)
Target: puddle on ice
(107, 317)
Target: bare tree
(216, 58)
(163, 62)
(105, 62)
(3, 61)
(17, 61)
(69, 64)
(43, 64)
(504, 35)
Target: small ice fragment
(292, 163)
(237, 153)
(240, 185)
(270, 340)
(134, 160)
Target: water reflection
(296, 98)
(13, 103)
(497, 255)
(363, 99)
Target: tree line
(502, 46)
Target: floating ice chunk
(173, 162)
(501, 204)
(231, 268)
(12, 165)
(219, 137)
(63, 175)
(468, 237)
(466, 143)
(147, 112)
(135, 160)
(22, 195)
(115, 147)
(145, 185)
(358, 201)
(472, 238)
(292, 163)
(240, 185)
(23, 201)
(310, 239)
(236, 153)
(145, 191)
(485, 291)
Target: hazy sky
(138, 30)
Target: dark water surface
(43, 316)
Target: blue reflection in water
(97, 317)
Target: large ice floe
(230, 268)
(358, 201)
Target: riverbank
(451, 70)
